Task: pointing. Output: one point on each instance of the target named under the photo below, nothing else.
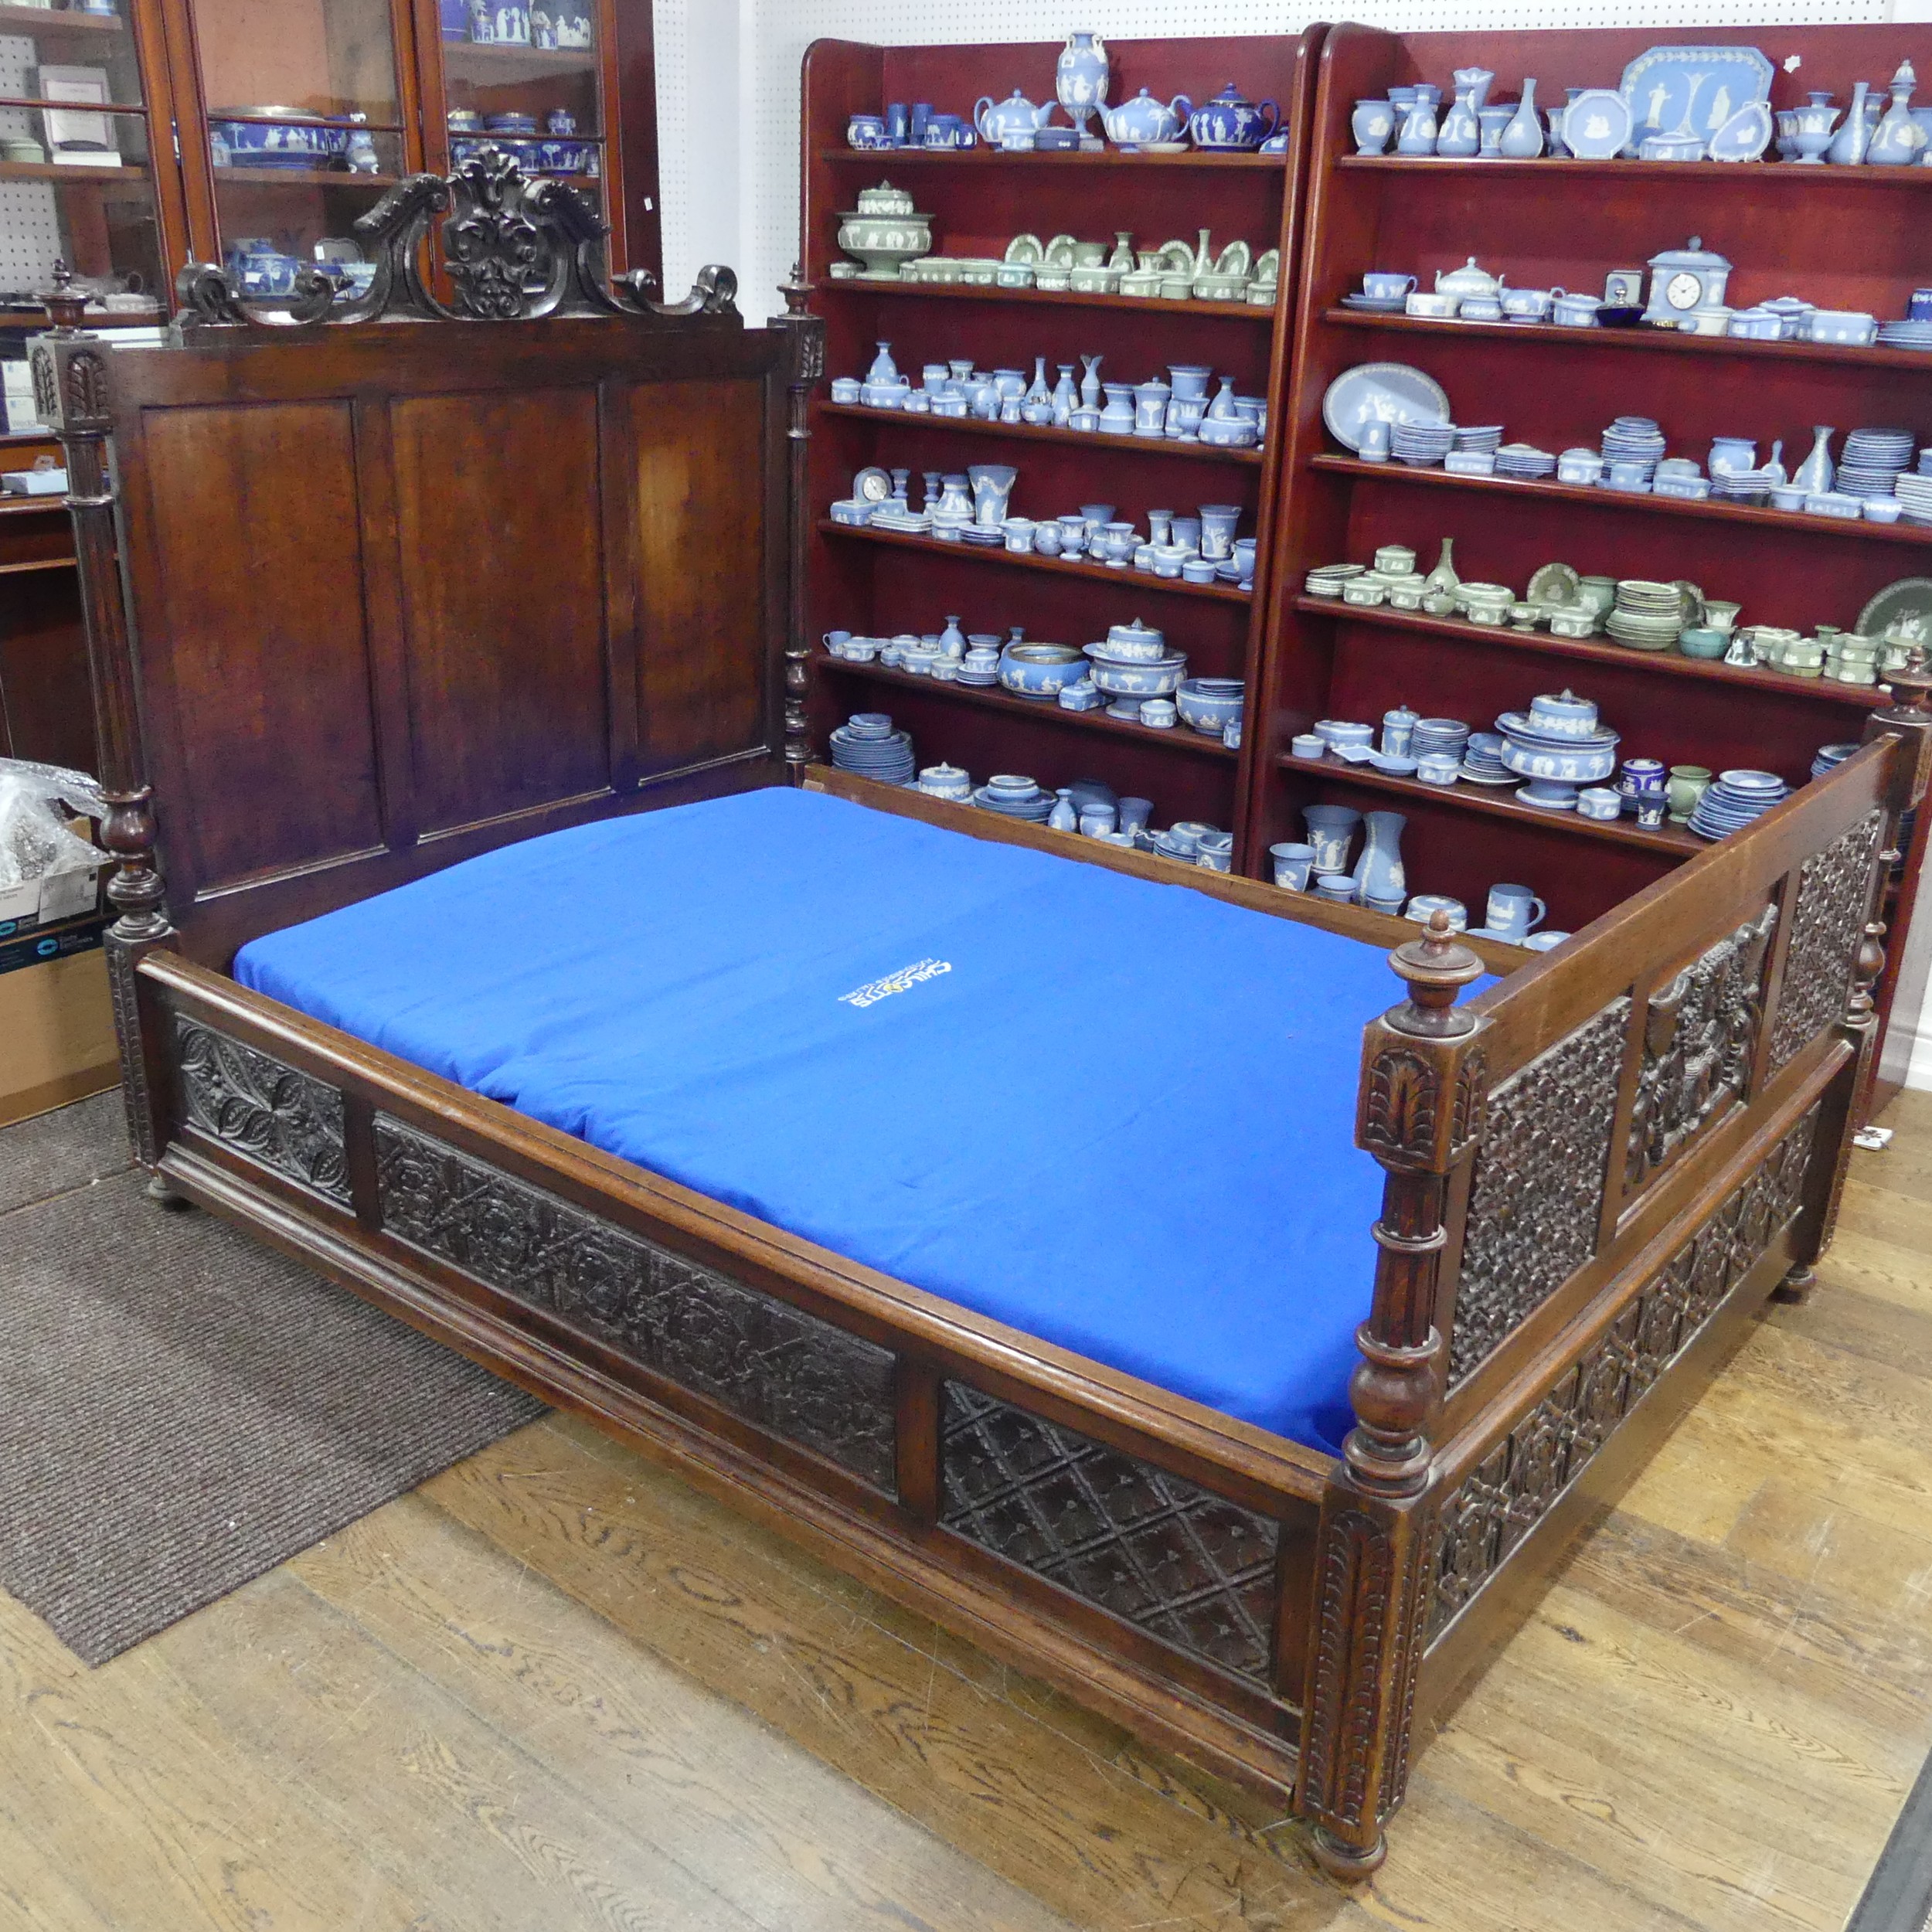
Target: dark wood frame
(1596, 1169)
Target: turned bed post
(70, 390)
(806, 334)
(1909, 717)
(1420, 1113)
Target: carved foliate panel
(1700, 1037)
(1186, 1566)
(1502, 1501)
(1834, 895)
(1538, 1193)
(288, 1122)
(765, 1361)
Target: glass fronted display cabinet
(308, 113)
(84, 109)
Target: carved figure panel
(765, 1361)
(1184, 1565)
(1834, 894)
(287, 1122)
(1537, 1193)
(1700, 1037)
(1502, 1501)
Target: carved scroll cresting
(1188, 1567)
(1537, 1198)
(1504, 1499)
(764, 1360)
(1700, 1037)
(514, 250)
(1834, 899)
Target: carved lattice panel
(1498, 1503)
(1700, 1037)
(1187, 1567)
(286, 1122)
(764, 1360)
(1538, 1194)
(1833, 896)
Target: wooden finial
(797, 291)
(61, 303)
(1435, 967)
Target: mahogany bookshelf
(1841, 237)
(875, 582)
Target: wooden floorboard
(558, 1687)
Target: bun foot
(160, 1191)
(1795, 1288)
(1348, 1864)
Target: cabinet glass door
(307, 112)
(76, 180)
(531, 78)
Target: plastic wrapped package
(46, 869)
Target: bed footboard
(1597, 1171)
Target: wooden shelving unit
(878, 582)
(1842, 238)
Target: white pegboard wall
(29, 217)
(756, 71)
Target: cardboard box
(56, 1021)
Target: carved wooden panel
(290, 1123)
(1352, 1615)
(1700, 1037)
(1834, 895)
(256, 671)
(1500, 1501)
(1195, 1571)
(1537, 1193)
(769, 1363)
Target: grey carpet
(68, 1148)
(1899, 1897)
(181, 1409)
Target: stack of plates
(966, 675)
(1016, 798)
(907, 522)
(1737, 798)
(1872, 461)
(1420, 444)
(1830, 756)
(1915, 492)
(1647, 616)
(1371, 305)
(1524, 463)
(1326, 579)
(1482, 760)
(1743, 486)
(1479, 439)
(1905, 334)
(1447, 736)
(867, 743)
(1634, 439)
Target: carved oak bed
(502, 551)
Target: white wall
(728, 82)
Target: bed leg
(1797, 1286)
(163, 1193)
(1348, 1864)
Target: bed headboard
(369, 594)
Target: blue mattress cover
(1115, 1114)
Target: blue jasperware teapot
(1145, 119)
(1015, 116)
(1231, 120)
